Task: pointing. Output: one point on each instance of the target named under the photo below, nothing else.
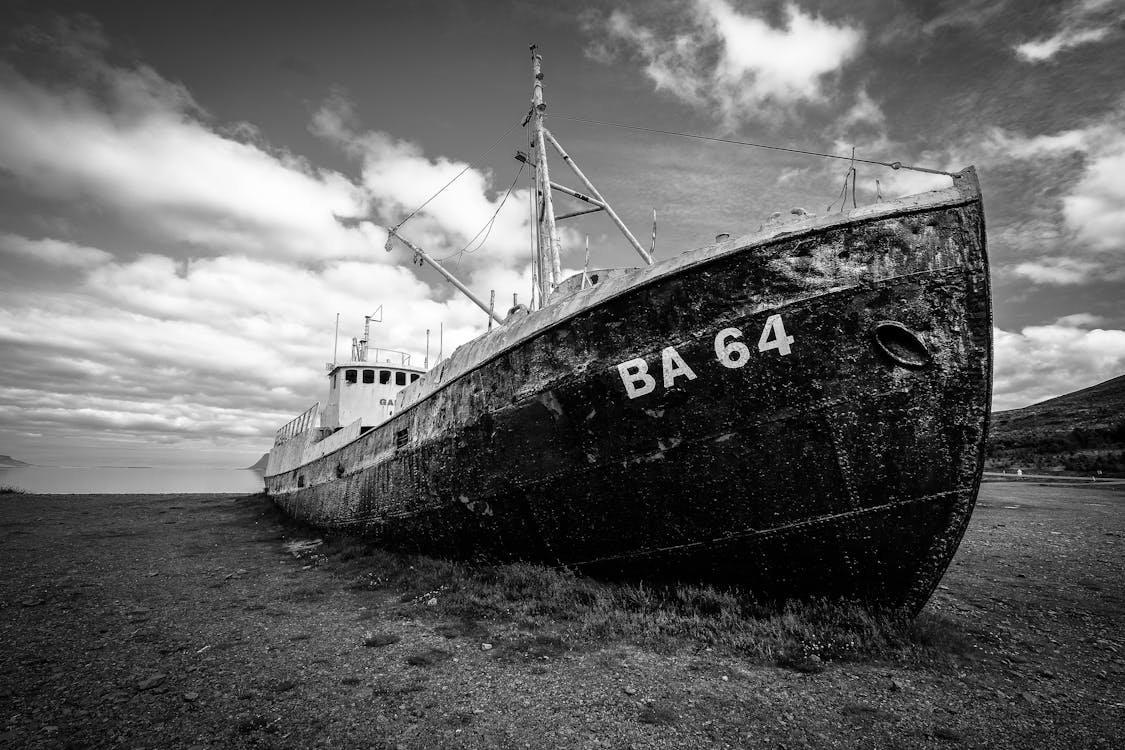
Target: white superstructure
(361, 395)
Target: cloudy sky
(171, 271)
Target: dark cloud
(298, 66)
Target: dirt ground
(184, 621)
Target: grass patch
(557, 611)
(537, 647)
(462, 628)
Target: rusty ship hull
(623, 430)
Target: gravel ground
(184, 621)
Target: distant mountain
(8, 461)
(260, 464)
(1080, 432)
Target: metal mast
(550, 249)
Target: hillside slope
(8, 461)
(1081, 432)
(260, 464)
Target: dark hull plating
(832, 470)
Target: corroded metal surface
(846, 465)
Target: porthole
(904, 347)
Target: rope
(843, 196)
(891, 164)
(468, 166)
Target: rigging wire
(891, 165)
(468, 166)
(489, 224)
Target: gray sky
(170, 270)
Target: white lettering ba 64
(730, 351)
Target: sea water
(108, 480)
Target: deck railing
(298, 424)
(387, 356)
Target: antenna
(426, 363)
(377, 316)
(336, 338)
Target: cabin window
(402, 437)
(413, 377)
(300, 480)
(400, 378)
(368, 376)
(349, 376)
(384, 377)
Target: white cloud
(1095, 207)
(142, 346)
(740, 64)
(1092, 208)
(1041, 362)
(1080, 320)
(1002, 142)
(53, 252)
(1045, 49)
(136, 148)
(1060, 270)
(399, 178)
(1083, 22)
(229, 347)
(864, 111)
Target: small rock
(432, 601)
(372, 640)
(150, 682)
(486, 647)
(630, 690)
(191, 697)
(725, 678)
(898, 685)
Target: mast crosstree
(547, 269)
(549, 247)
